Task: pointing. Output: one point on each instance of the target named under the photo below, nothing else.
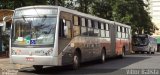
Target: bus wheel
(136, 52)
(149, 52)
(123, 53)
(142, 52)
(76, 60)
(38, 67)
(103, 56)
(153, 52)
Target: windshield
(33, 31)
(140, 41)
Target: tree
(85, 5)
(56, 2)
(130, 12)
(141, 20)
(103, 9)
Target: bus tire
(153, 52)
(103, 56)
(149, 52)
(38, 67)
(142, 52)
(136, 52)
(76, 60)
(123, 53)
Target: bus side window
(61, 25)
(76, 26)
(64, 28)
(68, 29)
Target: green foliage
(103, 9)
(84, 5)
(131, 12)
(34, 2)
(6, 4)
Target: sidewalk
(5, 64)
(4, 55)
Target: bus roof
(75, 12)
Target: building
(155, 14)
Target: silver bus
(57, 36)
(144, 43)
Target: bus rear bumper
(34, 60)
(141, 50)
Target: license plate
(30, 59)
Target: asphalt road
(135, 64)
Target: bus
(56, 36)
(144, 43)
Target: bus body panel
(90, 50)
(37, 56)
(123, 40)
(120, 44)
(113, 27)
(34, 60)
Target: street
(134, 64)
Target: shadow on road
(145, 54)
(93, 67)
